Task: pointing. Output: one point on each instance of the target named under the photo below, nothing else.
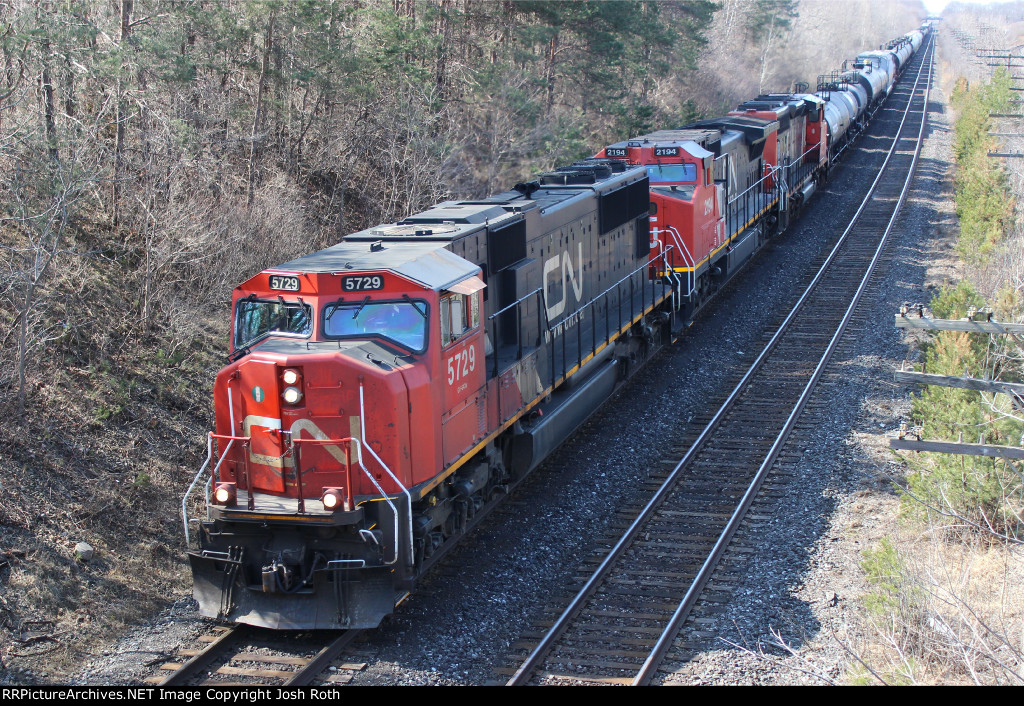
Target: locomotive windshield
(256, 319)
(402, 322)
(671, 173)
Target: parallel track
(627, 616)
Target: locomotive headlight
(290, 376)
(225, 494)
(333, 498)
(292, 395)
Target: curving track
(627, 617)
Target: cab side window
(460, 314)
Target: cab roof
(426, 263)
(701, 136)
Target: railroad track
(244, 656)
(627, 617)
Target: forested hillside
(155, 153)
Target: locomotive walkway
(636, 607)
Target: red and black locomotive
(383, 390)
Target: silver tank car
(873, 82)
(838, 117)
(883, 62)
(860, 89)
(916, 39)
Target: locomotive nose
(258, 408)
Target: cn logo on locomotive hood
(555, 309)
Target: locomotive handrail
(492, 322)
(348, 476)
(688, 259)
(519, 326)
(184, 500)
(231, 440)
(594, 299)
(213, 474)
(802, 167)
(206, 464)
(347, 444)
(228, 436)
(749, 188)
(405, 491)
(809, 150)
(760, 202)
(782, 187)
(348, 441)
(515, 303)
(553, 329)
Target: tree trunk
(126, 28)
(47, 252)
(23, 349)
(49, 112)
(70, 107)
(550, 74)
(444, 47)
(258, 117)
(765, 54)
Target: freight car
(383, 392)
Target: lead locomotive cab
(326, 426)
(383, 391)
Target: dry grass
(943, 612)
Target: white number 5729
(461, 364)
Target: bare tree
(255, 135)
(40, 201)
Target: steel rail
(323, 659)
(525, 671)
(201, 661)
(657, 654)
